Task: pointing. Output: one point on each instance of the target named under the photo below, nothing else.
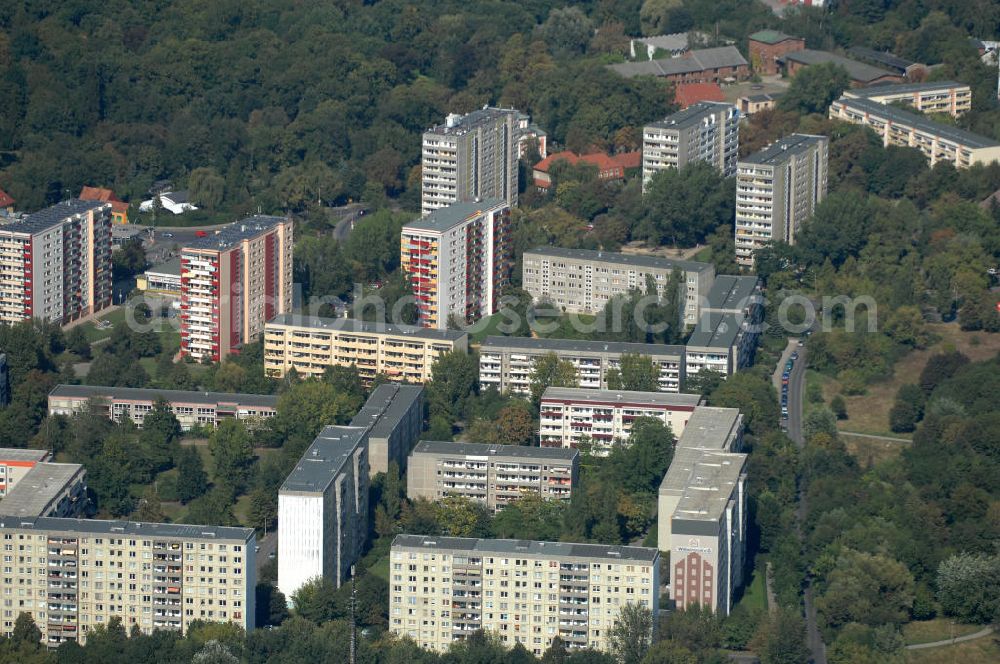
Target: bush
(902, 417)
(852, 382)
(839, 407)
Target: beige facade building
(458, 259)
(507, 363)
(73, 575)
(15, 463)
(206, 409)
(582, 281)
(938, 142)
(55, 264)
(323, 510)
(490, 474)
(777, 190)
(701, 510)
(929, 97)
(310, 345)
(232, 283)
(707, 131)
(442, 589)
(569, 416)
(470, 157)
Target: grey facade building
(728, 329)
(46, 489)
(575, 592)
(323, 510)
(394, 418)
(708, 131)
(582, 280)
(507, 363)
(777, 190)
(490, 474)
(470, 157)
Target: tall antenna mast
(354, 623)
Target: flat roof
(692, 115)
(231, 235)
(37, 222)
(465, 123)
(858, 71)
(41, 485)
(20, 454)
(136, 528)
(902, 88)
(527, 547)
(777, 152)
(581, 346)
(709, 488)
(919, 122)
(618, 258)
(443, 219)
(324, 459)
(709, 428)
(172, 396)
(622, 396)
(732, 293)
(716, 329)
(171, 267)
(385, 407)
(771, 37)
(353, 325)
(501, 451)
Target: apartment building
(938, 142)
(204, 409)
(458, 259)
(777, 190)
(470, 157)
(582, 280)
(310, 344)
(701, 510)
(232, 283)
(569, 416)
(507, 363)
(948, 97)
(73, 575)
(45, 489)
(493, 475)
(323, 510)
(443, 589)
(725, 339)
(394, 419)
(708, 131)
(55, 264)
(15, 463)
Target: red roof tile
(603, 161)
(691, 93)
(6, 200)
(105, 195)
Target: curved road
(796, 390)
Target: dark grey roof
(919, 122)
(442, 219)
(882, 58)
(858, 71)
(675, 41)
(34, 494)
(177, 197)
(172, 266)
(543, 345)
(715, 330)
(780, 150)
(733, 293)
(692, 115)
(503, 451)
(569, 550)
(386, 406)
(52, 215)
(172, 396)
(880, 89)
(695, 61)
(473, 120)
(19, 454)
(324, 459)
(361, 326)
(125, 528)
(634, 260)
(582, 394)
(767, 96)
(231, 235)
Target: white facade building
(707, 131)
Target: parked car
(795, 355)
(200, 234)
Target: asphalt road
(268, 545)
(348, 214)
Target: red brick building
(766, 47)
(609, 167)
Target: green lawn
(755, 594)
(939, 629)
(485, 327)
(90, 328)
